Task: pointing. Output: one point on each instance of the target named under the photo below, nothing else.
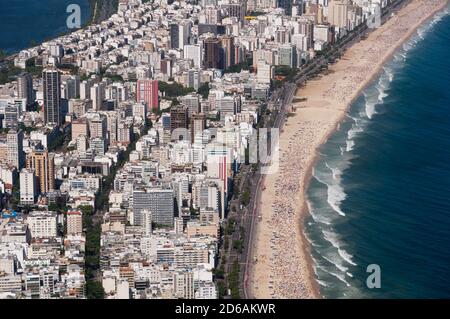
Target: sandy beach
(283, 266)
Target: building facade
(52, 96)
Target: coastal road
(7, 60)
(287, 93)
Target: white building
(7, 174)
(14, 141)
(28, 187)
(194, 53)
(42, 224)
(123, 289)
(183, 284)
(206, 290)
(264, 72)
(147, 221)
(321, 33)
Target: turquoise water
(381, 189)
(24, 23)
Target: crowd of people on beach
(287, 273)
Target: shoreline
(323, 94)
(103, 8)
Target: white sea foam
(407, 46)
(310, 241)
(317, 218)
(422, 31)
(333, 240)
(370, 109)
(381, 93)
(350, 145)
(318, 178)
(378, 93)
(398, 57)
(389, 72)
(384, 79)
(346, 256)
(351, 134)
(315, 269)
(341, 278)
(335, 195)
(335, 171)
(370, 105)
(335, 263)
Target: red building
(147, 91)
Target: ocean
(380, 191)
(25, 23)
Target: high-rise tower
(52, 96)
